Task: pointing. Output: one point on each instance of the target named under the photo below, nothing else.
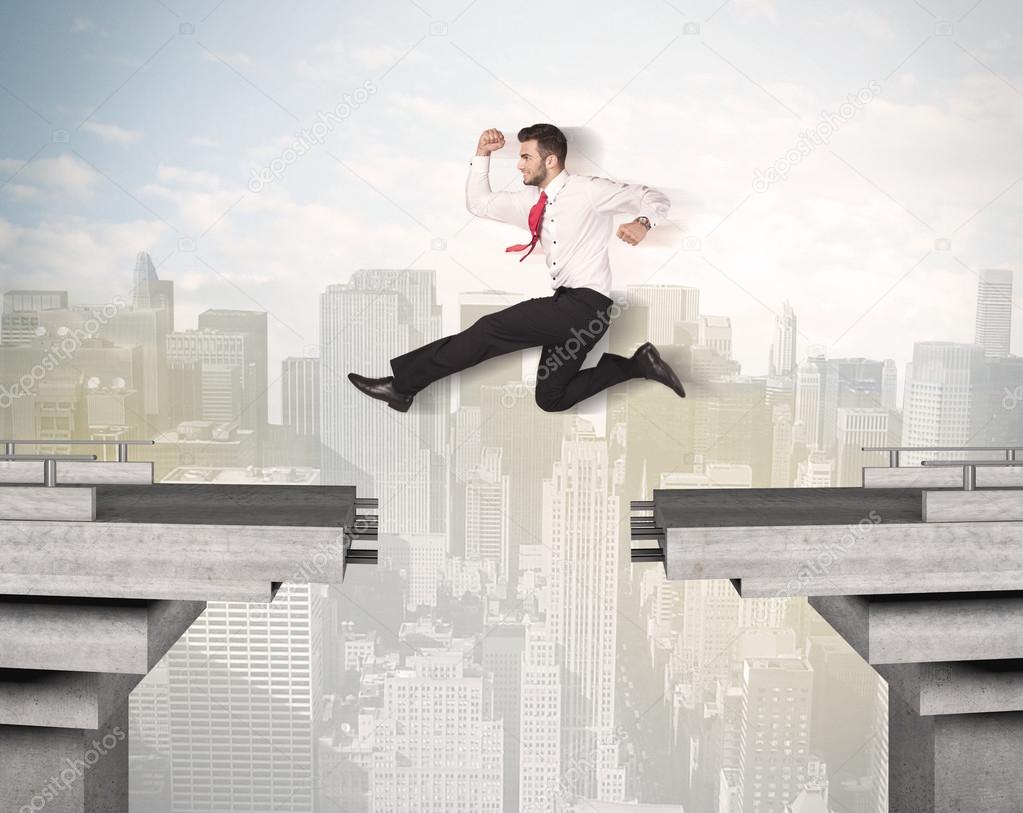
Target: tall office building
(218, 360)
(147, 322)
(858, 428)
(398, 457)
(774, 737)
(252, 326)
(781, 446)
(824, 385)
(947, 381)
(540, 761)
(149, 292)
(994, 312)
(300, 394)
(710, 618)
(783, 350)
(716, 334)
(244, 693)
(668, 306)
(731, 424)
(504, 653)
(487, 493)
(811, 380)
(20, 318)
(580, 517)
(439, 748)
(1001, 418)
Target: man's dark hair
(549, 139)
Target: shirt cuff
(480, 164)
(655, 216)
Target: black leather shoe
(382, 388)
(650, 365)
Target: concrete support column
(949, 763)
(62, 770)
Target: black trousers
(567, 325)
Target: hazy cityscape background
(210, 213)
(505, 654)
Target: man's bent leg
(561, 384)
(560, 381)
(537, 321)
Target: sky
(145, 126)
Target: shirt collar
(555, 186)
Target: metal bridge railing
(122, 445)
(895, 451)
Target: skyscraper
(774, 738)
(669, 306)
(783, 350)
(251, 325)
(942, 395)
(994, 312)
(149, 292)
(380, 314)
(438, 745)
(858, 428)
(580, 515)
(300, 394)
(244, 689)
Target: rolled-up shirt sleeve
(619, 198)
(482, 201)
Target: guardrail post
(1010, 454)
(893, 458)
(969, 477)
(50, 472)
(122, 452)
(8, 448)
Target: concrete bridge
(101, 571)
(920, 570)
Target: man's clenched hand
(490, 140)
(632, 233)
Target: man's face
(533, 168)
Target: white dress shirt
(577, 222)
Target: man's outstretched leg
(534, 322)
(566, 324)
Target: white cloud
(112, 133)
(62, 176)
(91, 259)
(337, 58)
(182, 176)
(82, 24)
(202, 141)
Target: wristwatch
(644, 220)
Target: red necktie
(535, 217)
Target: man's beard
(536, 180)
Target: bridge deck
(761, 507)
(227, 504)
